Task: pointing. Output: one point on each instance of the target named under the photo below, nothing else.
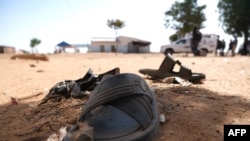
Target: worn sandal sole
(122, 108)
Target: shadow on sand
(198, 114)
(29, 122)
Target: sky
(77, 21)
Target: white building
(123, 44)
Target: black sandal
(166, 70)
(121, 108)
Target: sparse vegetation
(33, 43)
(116, 24)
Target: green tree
(184, 16)
(33, 43)
(235, 18)
(116, 24)
(173, 37)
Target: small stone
(217, 131)
(32, 65)
(162, 118)
(45, 89)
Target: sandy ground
(196, 112)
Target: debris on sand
(40, 71)
(174, 79)
(32, 65)
(76, 88)
(14, 100)
(41, 57)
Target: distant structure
(7, 49)
(64, 47)
(125, 45)
(82, 48)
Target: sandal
(166, 70)
(121, 108)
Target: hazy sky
(77, 21)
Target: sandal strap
(168, 64)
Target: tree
(235, 18)
(34, 42)
(116, 24)
(184, 16)
(173, 38)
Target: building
(71, 48)
(65, 47)
(123, 44)
(7, 49)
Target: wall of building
(105, 47)
(7, 50)
(145, 49)
(124, 46)
(83, 49)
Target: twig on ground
(28, 97)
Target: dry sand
(196, 112)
